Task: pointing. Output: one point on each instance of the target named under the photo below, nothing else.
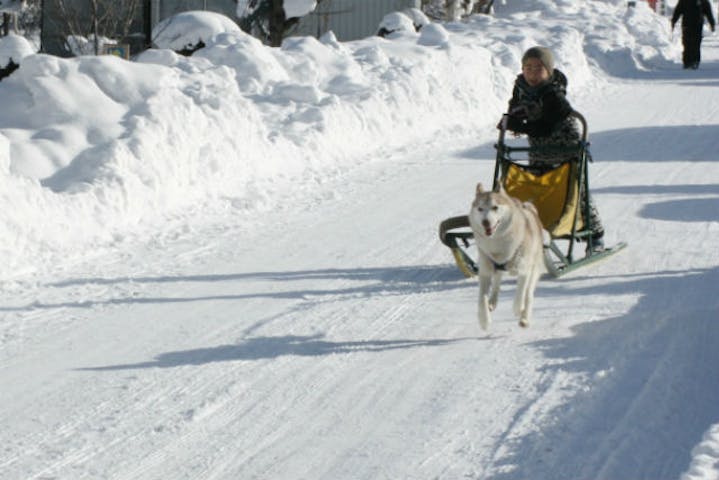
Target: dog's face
(489, 208)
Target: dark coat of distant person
(692, 13)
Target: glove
(502, 123)
(521, 112)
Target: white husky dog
(509, 238)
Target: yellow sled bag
(554, 193)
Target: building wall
(54, 31)
(53, 35)
(167, 8)
(348, 19)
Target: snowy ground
(321, 332)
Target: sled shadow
(650, 387)
(263, 348)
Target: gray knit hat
(543, 54)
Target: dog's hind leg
(520, 299)
(483, 312)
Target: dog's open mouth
(490, 229)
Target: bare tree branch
(97, 18)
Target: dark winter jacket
(538, 111)
(693, 13)
(542, 113)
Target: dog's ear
(480, 189)
(499, 188)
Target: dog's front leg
(524, 297)
(496, 284)
(483, 312)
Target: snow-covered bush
(14, 47)
(419, 19)
(188, 31)
(395, 23)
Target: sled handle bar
(573, 113)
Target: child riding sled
(539, 108)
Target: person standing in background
(692, 13)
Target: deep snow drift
(226, 266)
(94, 149)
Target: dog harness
(500, 266)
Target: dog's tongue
(489, 231)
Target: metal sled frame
(455, 233)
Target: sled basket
(553, 193)
(557, 185)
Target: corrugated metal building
(348, 19)
(54, 25)
(161, 9)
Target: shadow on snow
(641, 144)
(259, 348)
(676, 210)
(377, 281)
(655, 144)
(651, 391)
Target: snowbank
(705, 457)
(101, 149)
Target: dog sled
(557, 188)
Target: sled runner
(557, 188)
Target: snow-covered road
(333, 339)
